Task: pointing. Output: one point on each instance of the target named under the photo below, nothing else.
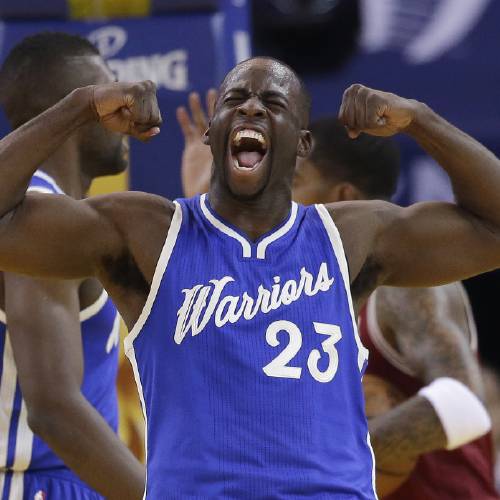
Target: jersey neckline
(257, 248)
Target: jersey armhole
(338, 250)
(160, 269)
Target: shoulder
(359, 224)
(141, 221)
(375, 210)
(132, 201)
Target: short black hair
(30, 77)
(370, 163)
(305, 104)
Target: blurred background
(442, 52)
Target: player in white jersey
(258, 129)
(60, 353)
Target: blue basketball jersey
(20, 449)
(249, 364)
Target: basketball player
(415, 336)
(243, 332)
(60, 355)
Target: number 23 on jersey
(280, 367)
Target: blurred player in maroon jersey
(419, 339)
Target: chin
(115, 167)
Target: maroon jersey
(462, 474)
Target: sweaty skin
(118, 238)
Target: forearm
(402, 434)
(78, 434)
(24, 149)
(473, 169)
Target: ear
(348, 192)
(206, 136)
(305, 144)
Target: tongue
(248, 159)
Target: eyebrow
(274, 93)
(265, 93)
(239, 90)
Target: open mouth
(248, 148)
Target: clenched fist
(375, 112)
(128, 108)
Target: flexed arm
(57, 236)
(126, 108)
(427, 243)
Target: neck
(254, 217)
(64, 167)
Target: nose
(252, 107)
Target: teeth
(236, 163)
(248, 134)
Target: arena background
(443, 52)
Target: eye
(232, 99)
(273, 103)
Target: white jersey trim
(47, 178)
(7, 393)
(338, 250)
(94, 308)
(375, 333)
(374, 474)
(24, 441)
(262, 245)
(17, 486)
(40, 189)
(245, 245)
(131, 356)
(161, 267)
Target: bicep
(430, 244)
(56, 236)
(44, 330)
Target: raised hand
(375, 112)
(196, 157)
(128, 108)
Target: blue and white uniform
(249, 364)
(29, 469)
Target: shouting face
(258, 128)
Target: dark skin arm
(425, 244)
(116, 238)
(429, 327)
(44, 329)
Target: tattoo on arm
(401, 435)
(430, 330)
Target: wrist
(422, 115)
(81, 101)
